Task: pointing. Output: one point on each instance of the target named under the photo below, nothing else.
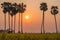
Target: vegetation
(28, 36)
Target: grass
(31, 36)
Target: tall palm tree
(23, 6)
(14, 11)
(11, 13)
(21, 9)
(54, 11)
(9, 5)
(4, 6)
(43, 7)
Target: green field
(28, 36)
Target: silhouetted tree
(11, 13)
(21, 9)
(14, 11)
(5, 10)
(54, 11)
(43, 7)
(9, 4)
(6, 6)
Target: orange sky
(34, 24)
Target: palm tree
(44, 8)
(14, 11)
(11, 13)
(21, 9)
(23, 6)
(54, 11)
(9, 5)
(4, 6)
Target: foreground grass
(28, 36)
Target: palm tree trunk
(21, 23)
(43, 23)
(5, 22)
(14, 22)
(41, 28)
(11, 23)
(56, 23)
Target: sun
(27, 17)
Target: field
(29, 36)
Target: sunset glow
(27, 17)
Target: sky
(33, 24)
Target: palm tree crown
(43, 6)
(6, 6)
(21, 8)
(54, 10)
(14, 9)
